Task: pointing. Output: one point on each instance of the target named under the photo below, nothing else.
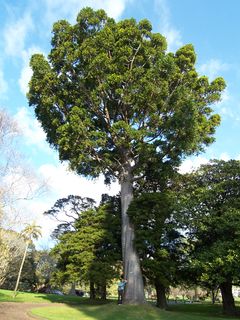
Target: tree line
(186, 234)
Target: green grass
(76, 308)
(7, 296)
(123, 312)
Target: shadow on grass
(103, 309)
(72, 300)
(203, 309)
(109, 310)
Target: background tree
(12, 248)
(28, 280)
(45, 267)
(90, 252)
(113, 101)
(212, 213)
(29, 233)
(158, 240)
(67, 211)
(17, 181)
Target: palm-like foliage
(30, 232)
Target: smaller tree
(29, 233)
(90, 251)
(210, 207)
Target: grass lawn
(114, 312)
(7, 296)
(77, 308)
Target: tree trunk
(72, 291)
(134, 293)
(214, 294)
(92, 290)
(20, 270)
(161, 295)
(227, 298)
(103, 292)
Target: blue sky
(211, 26)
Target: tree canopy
(211, 214)
(109, 93)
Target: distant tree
(29, 233)
(17, 180)
(12, 248)
(113, 101)
(67, 211)
(28, 280)
(45, 267)
(211, 209)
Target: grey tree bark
(134, 292)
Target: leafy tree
(29, 233)
(113, 101)
(28, 279)
(91, 251)
(45, 266)
(159, 243)
(212, 212)
(67, 211)
(11, 248)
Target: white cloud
(224, 156)
(26, 72)
(213, 68)
(3, 84)
(24, 79)
(60, 181)
(61, 9)
(173, 35)
(31, 130)
(191, 164)
(15, 35)
(63, 182)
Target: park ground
(28, 306)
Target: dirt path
(19, 311)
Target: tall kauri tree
(112, 101)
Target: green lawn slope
(76, 308)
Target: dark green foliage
(210, 208)
(109, 93)
(28, 278)
(45, 266)
(158, 241)
(67, 211)
(92, 251)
